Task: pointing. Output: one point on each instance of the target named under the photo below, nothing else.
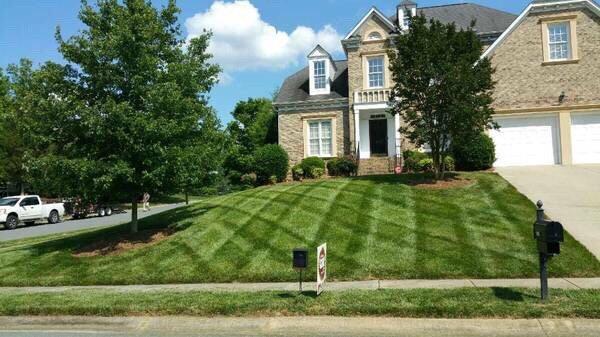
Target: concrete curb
(298, 326)
(555, 283)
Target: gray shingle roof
(488, 20)
(296, 88)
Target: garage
(527, 141)
(585, 137)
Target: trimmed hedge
(344, 167)
(271, 162)
(313, 167)
(474, 154)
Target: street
(42, 229)
(292, 326)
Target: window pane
(325, 129)
(326, 150)
(314, 147)
(319, 68)
(558, 40)
(320, 82)
(376, 72)
(313, 130)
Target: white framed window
(320, 138)
(376, 69)
(319, 75)
(559, 44)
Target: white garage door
(585, 138)
(523, 141)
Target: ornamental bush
(297, 172)
(344, 167)
(412, 159)
(270, 160)
(474, 154)
(425, 165)
(313, 167)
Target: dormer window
(406, 10)
(320, 75)
(322, 71)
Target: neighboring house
(548, 65)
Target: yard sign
(321, 267)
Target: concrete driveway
(75, 225)
(571, 195)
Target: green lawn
(455, 303)
(375, 228)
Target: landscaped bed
(456, 303)
(385, 227)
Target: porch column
(397, 133)
(357, 129)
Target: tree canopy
(133, 97)
(442, 87)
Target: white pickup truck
(28, 209)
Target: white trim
(370, 106)
(524, 14)
(364, 19)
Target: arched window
(374, 36)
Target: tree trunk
(22, 188)
(187, 198)
(134, 215)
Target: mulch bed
(124, 242)
(448, 183)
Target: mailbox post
(549, 235)
(300, 262)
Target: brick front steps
(375, 165)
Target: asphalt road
(292, 326)
(75, 225)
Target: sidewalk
(293, 326)
(556, 283)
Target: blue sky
(255, 63)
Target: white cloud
(242, 40)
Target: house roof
(487, 20)
(296, 87)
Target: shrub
(425, 165)
(449, 164)
(249, 179)
(412, 159)
(297, 172)
(270, 160)
(313, 167)
(344, 167)
(474, 154)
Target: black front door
(378, 137)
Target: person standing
(146, 201)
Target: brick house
(547, 97)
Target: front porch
(377, 139)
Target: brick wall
(291, 131)
(524, 82)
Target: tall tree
(255, 123)
(4, 104)
(197, 163)
(140, 98)
(442, 89)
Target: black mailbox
(549, 235)
(300, 258)
(548, 231)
